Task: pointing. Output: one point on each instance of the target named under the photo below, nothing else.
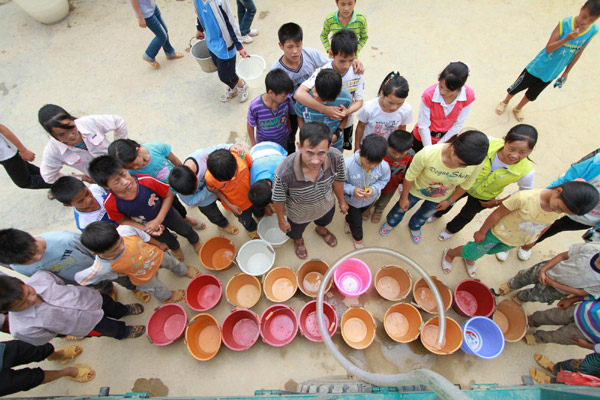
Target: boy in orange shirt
(228, 176)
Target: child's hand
(403, 204)
(442, 205)
(83, 177)
(334, 112)
(566, 302)
(153, 226)
(243, 53)
(237, 210)
(369, 192)
(239, 149)
(582, 343)
(542, 276)
(359, 192)
(163, 247)
(142, 22)
(358, 67)
(489, 204)
(199, 35)
(478, 237)
(574, 34)
(27, 155)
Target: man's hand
(582, 343)
(285, 226)
(199, 35)
(344, 207)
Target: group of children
(132, 208)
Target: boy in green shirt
(345, 18)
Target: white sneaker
(243, 92)
(502, 256)
(229, 94)
(524, 254)
(247, 39)
(431, 219)
(253, 32)
(445, 235)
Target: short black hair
(11, 290)
(125, 150)
(222, 165)
(470, 146)
(400, 140)
(279, 82)
(455, 75)
(344, 43)
(260, 193)
(315, 133)
(290, 31)
(579, 197)
(16, 246)
(395, 84)
(50, 116)
(373, 148)
(183, 180)
(100, 236)
(102, 168)
(328, 84)
(66, 188)
(593, 6)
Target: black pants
(18, 353)
(179, 207)
(226, 70)
(214, 215)
(247, 220)
(291, 142)
(108, 326)
(471, 208)
(563, 224)
(348, 137)
(354, 219)
(298, 229)
(25, 175)
(175, 221)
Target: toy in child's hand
(559, 83)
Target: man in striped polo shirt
(305, 184)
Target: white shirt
(93, 129)
(7, 149)
(424, 120)
(380, 122)
(354, 83)
(83, 219)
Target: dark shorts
(534, 85)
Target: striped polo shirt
(587, 318)
(305, 200)
(358, 24)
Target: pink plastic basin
(352, 277)
(203, 292)
(473, 298)
(166, 324)
(309, 324)
(278, 325)
(240, 329)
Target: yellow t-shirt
(526, 221)
(435, 182)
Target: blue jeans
(156, 24)
(418, 219)
(246, 12)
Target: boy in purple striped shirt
(269, 112)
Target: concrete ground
(90, 63)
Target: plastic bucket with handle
(352, 277)
(278, 325)
(482, 337)
(393, 283)
(256, 257)
(199, 51)
(166, 324)
(203, 337)
(240, 329)
(203, 292)
(402, 322)
(472, 298)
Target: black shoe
(347, 146)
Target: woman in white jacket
(75, 141)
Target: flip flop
(191, 271)
(471, 269)
(385, 229)
(500, 108)
(328, 237)
(83, 372)
(134, 309)
(253, 235)
(540, 376)
(176, 295)
(518, 114)
(230, 228)
(366, 215)
(141, 296)
(71, 338)
(415, 237)
(446, 266)
(69, 354)
(529, 340)
(135, 331)
(504, 289)
(376, 217)
(300, 249)
(544, 362)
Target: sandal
(230, 228)
(518, 114)
(471, 270)
(72, 338)
(253, 235)
(175, 56)
(385, 229)
(300, 249)
(134, 309)
(83, 372)
(359, 244)
(135, 331)
(446, 266)
(191, 271)
(504, 289)
(176, 295)
(376, 217)
(113, 294)
(347, 230)
(501, 107)
(69, 354)
(529, 340)
(544, 362)
(366, 215)
(153, 64)
(141, 296)
(540, 376)
(415, 237)
(178, 254)
(444, 235)
(328, 237)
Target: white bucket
(268, 230)
(251, 70)
(256, 257)
(199, 51)
(45, 11)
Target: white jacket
(216, 6)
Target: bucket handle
(193, 321)
(190, 42)
(149, 339)
(268, 245)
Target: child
(142, 202)
(266, 157)
(445, 106)
(343, 48)
(439, 175)
(386, 113)
(268, 113)
(216, 24)
(345, 18)
(590, 365)
(366, 175)
(43, 307)
(576, 272)
(564, 48)
(155, 159)
(399, 156)
(507, 162)
(246, 12)
(15, 158)
(228, 175)
(87, 202)
(188, 180)
(129, 251)
(520, 219)
(75, 141)
(149, 16)
(328, 91)
(299, 63)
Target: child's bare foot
(253, 235)
(195, 223)
(198, 246)
(178, 254)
